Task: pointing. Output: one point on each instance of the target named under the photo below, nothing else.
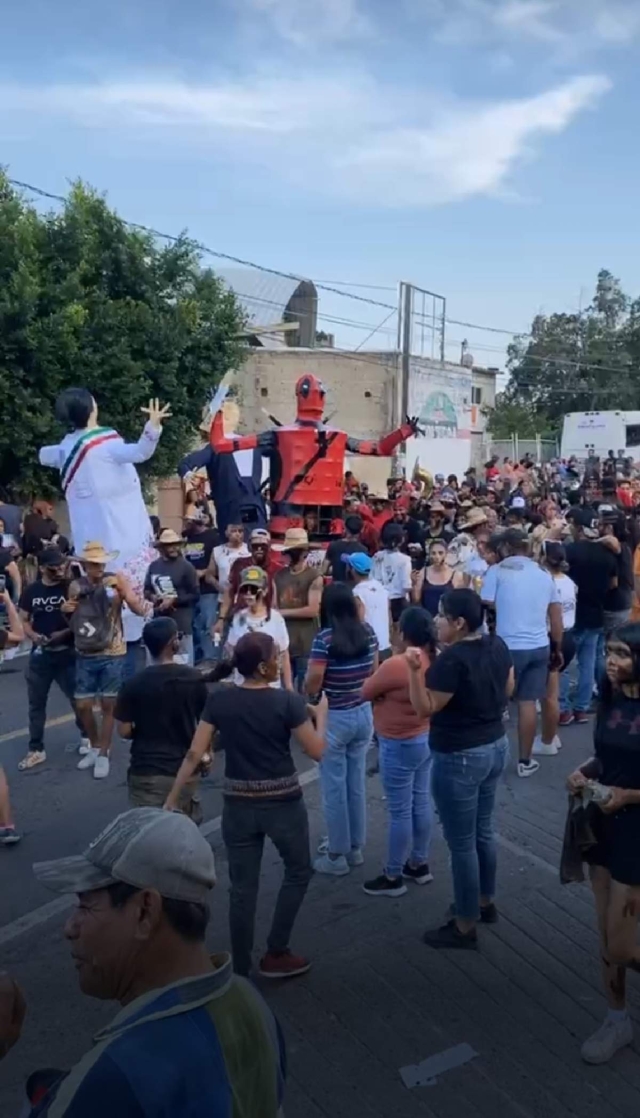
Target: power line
(322, 285)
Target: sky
(482, 149)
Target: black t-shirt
(621, 596)
(42, 605)
(591, 566)
(617, 740)
(198, 550)
(337, 569)
(475, 673)
(164, 703)
(255, 726)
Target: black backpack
(93, 620)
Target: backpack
(93, 620)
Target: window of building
(476, 395)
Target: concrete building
(483, 399)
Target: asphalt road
(59, 810)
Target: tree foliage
(86, 300)
(587, 361)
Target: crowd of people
(407, 637)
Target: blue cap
(359, 561)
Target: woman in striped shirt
(343, 654)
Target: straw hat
(474, 519)
(168, 536)
(94, 552)
(295, 538)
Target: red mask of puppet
(310, 397)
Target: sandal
(32, 760)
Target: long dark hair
(339, 612)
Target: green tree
(585, 361)
(86, 300)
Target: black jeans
(244, 829)
(44, 669)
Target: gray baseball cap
(146, 847)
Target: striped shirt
(343, 679)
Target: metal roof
(267, 299)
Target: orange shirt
(388, 690)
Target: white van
(598, 432)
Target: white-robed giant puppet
(100, 482)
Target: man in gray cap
(191, 1036)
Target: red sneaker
(582, 716)
(566, 718)
(282, 964)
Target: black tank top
(431, 595)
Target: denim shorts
(531, 667)
(99, 675)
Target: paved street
(376, 1000)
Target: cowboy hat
(94, 552)
(474, 518)
(295, 538)
(437, 506)
(168, 536)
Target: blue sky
(484, 149)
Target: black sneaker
(488, 913)
(420, 874)
(449, 938)
(384, 886)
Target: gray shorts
(531, 666)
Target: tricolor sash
(79, 452)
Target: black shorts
(618, 844)
(397, 607)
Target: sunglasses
(252, 591)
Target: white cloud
(309, 22)
(577, 26)
(343, 135)
(468, 151)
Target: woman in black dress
(615, 859)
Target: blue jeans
(205, 612)
(464, 789)
(343, 776)
(586, 650)
(405, 767)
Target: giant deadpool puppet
(307, 461)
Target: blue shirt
(343, 679)
(522, 593)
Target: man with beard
(52, 658)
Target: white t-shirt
(567, 594)
(376, 609)
(224, 557)
(245, 622)
(393, 570)
(522, 593)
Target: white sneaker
(609, 1039)
(528, 768)
(84, 747)
(334, 867)
(542, 749)
(89, 759)
(355, 857)
(101, 768)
